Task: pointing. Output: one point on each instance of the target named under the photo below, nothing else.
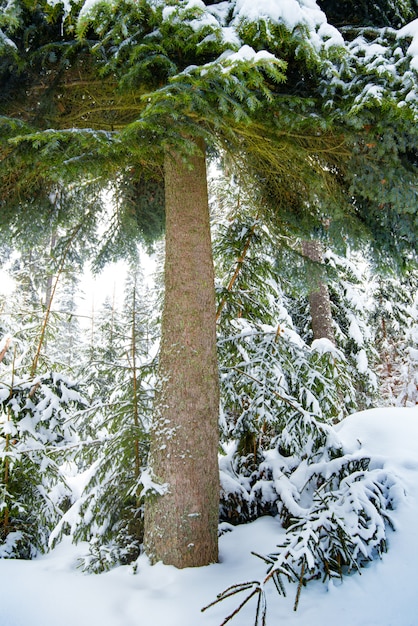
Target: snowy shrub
(36, 431)
(335, 508)
(273, 384)
(283, 457)
(103, 556)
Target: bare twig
(232, 591)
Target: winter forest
(261, 156)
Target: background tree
(408, 395)
(319, 300)
(109, 514)
(393, 320)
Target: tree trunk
(181, 524)
(319, 300)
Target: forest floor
(51, 591)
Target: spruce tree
(166, 44)
(174, 78)
(36, 430)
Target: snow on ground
(50, 591)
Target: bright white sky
(52, 592)
(110, 283)
(6, 283)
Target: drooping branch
(237, 270)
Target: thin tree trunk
(319, 300)
(53, 289)
(181, 525)
(6, 472)
(135, 384)
(50, 279)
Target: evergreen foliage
(143, 197)
(180, 62)
(360, 13)
(109, 513)
(36, 431)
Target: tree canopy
(323, 107)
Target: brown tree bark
(181, 525)
(319, 300)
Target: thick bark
(319, 300)
(181, 525)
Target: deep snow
(51, 591)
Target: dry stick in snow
(302, 573)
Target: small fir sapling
(109, 513)
(334, 505)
